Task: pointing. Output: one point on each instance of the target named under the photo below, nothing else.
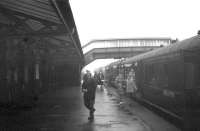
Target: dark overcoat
(89, 85)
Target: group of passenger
(131, 87)
(128, 85)
(90, 83)
(99, 77)
(89, 86)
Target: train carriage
(169, 78)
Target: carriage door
(192, 92)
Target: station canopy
(49, 23)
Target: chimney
(198, 32)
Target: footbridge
(121, 48)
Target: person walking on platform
(96, 77)
(100, 80)
(86, 75)
(89, 89)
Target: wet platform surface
(63, 110)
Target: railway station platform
(63, 110)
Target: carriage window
(197, 76)
(175, 74)
(162, 73)
(149, 72)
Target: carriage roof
(191, 43)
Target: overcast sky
(101, 19)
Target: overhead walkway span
(121, 48)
